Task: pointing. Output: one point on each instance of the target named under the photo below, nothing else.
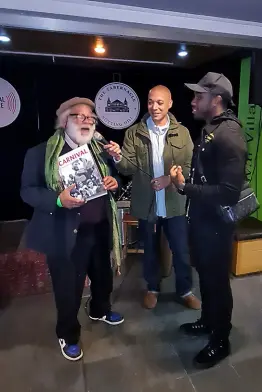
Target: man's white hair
(61, 119)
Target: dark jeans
(211, 248)
(176, 232)
(91, 255)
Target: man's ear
(62, 119)
(218, 100)
(170, 104)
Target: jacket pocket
(177, 143)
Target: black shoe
(195, 329)
(212, 354)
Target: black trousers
(211, 245)
(90, 256)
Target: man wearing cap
(217, 177)
(77, 238)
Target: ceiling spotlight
(4, 38)
(99, 48)
(182, 52)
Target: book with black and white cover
(79, 167)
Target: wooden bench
(247, 256)
(129, 220)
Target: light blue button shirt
(157, 137)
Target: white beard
(74, 133)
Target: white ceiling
(123, 20)
(234, 9)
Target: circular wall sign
(9, 103)
(117, 105)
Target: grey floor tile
(250, 373)
(146, 353)
(180, 385)
(140, 340)
(187, 348)
(30, 358)
(17, 364)
(101, 343)
(110, 375)
(27, 320)
(39, 369)
(53, 373)
(136, 369)
(222, 378)
(244, 347)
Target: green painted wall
(250, 116)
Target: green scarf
(54, 147)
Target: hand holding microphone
(112, 148)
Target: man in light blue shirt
(153, 146)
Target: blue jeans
(176, 232)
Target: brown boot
(192, 302)
(150, 300)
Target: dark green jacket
(137, 149)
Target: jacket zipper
(192, 175)
(150, 160)
(189, 201)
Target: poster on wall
(9, 103)
(117, 105)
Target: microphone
(100, 139)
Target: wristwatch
(180, 188)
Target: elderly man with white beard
(76, 237)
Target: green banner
(250, 116)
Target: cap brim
(196, 88)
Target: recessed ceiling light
(4, 38)
(182, 51)
(99, 47)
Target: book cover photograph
(79, 167)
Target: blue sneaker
(72, 352)
(112, 318)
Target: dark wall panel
(42, 86)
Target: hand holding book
(69, 201)
(110, 183)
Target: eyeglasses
(82, 118)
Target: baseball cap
(215, 83)
(74, 101)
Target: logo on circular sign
(9, 103)
(117, 105)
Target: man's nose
(155, 106)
